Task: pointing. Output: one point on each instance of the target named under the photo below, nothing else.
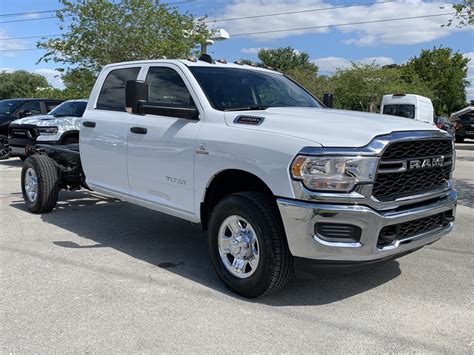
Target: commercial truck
(272, 174)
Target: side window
(51, 105)
(166, 87)
(30, 108)
(112, 94)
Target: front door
(161, 149)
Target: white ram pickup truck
(270, 172)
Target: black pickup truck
(464, 124)
(14, 109)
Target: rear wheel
(39, 183)
(248, 245)
(4, 147)
(459, 139)
(23, 157)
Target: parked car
(463, 121)
(254, 158)
(416, 107)
(60, 126)
(14, 109)
(444, 124)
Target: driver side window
(167, 88)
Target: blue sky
(330, 48)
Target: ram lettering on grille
(408, 168)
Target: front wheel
(39, 183)
(248, 245)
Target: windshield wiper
(247, 108)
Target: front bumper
(299, 219)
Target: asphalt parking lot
(100, 275)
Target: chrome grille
(394, 180)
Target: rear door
(104, 133)
(161, 155)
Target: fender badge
(249, 120)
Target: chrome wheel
(31, 185)
(238, 246)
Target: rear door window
(112, 94)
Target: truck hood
(48, 120)
(328, 127)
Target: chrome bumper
(300, 217)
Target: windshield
(241, 89)
(69, 108)
(7, 107)
(407, 111)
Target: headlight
(326, 173)
(48, 130)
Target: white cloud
(414, 31)
(253, 50)
(11, 44)
(32, 15)
(53, 76)
(329, 65)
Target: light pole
(219, 35)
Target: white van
(411, 106)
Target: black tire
(47, 183)
(4, 147)
(70, 140)
(459, 139)
(275, 266)
(23, 157)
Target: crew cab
(261, 164)
(59, 126)
(13, 109)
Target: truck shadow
(181, 248)
(465, 192)
(12, 163)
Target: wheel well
(226, 183)
(69, 135)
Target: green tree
(362, 86)
(78, 82)
(100, 32)
(445, 73)
(287, 59)
(463, 14)
(20, 83)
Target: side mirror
(328, 100)
(136, 91)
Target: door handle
(138, 130)
(88, 124)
